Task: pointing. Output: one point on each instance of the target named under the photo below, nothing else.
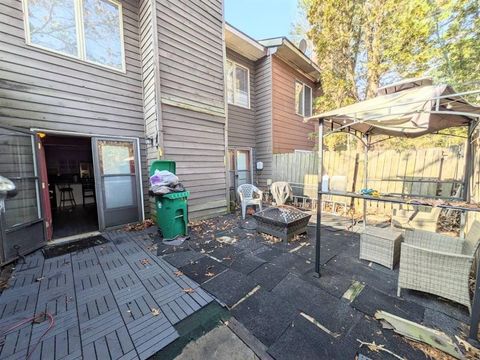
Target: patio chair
(413, 219)
(246, 194)
(438, 264)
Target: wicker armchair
(438, 264)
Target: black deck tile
(334, 314)
(433, 302)
(332, 282)
(268, 275)
(370, 330)
(265, 315)
(246, 263)
(200, 269)
(268, 253)
(358, 270)
(182, 258)
(370, 300)
(293, 263)
(304, 340)
(230, 286)
(249, 244)
(227, 254)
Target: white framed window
(238, 84)
(303, 99)
(89, 30)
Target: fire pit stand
(282, 222)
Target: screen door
(117, 181)
(21, 224)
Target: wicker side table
(381, 245)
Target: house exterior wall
(192, 93)
(41, 89)
(263, 119)
(241, 121)
(289, 131)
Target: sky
(261, 19)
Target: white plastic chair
(246, 194)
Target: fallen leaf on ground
(155, 312)
(188, 290)
(209, 274)
(145, 262)
(178, 273)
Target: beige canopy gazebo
(406, 109)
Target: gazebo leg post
(366, 143)
(319, 198)
(475, 312)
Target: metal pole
(366, 140)
(475, 315)
(319, 197)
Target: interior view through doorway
(71, 185)
(240, 168)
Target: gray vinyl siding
(191, 58)
(41, 89)
(241, 121)
(263, 115)
(151, 87)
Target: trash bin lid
(177, 195)
(160, 165)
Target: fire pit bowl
(282, 222)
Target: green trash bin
(172, 209)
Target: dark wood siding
(289, 131)
(241, 121)
(191, 58)
(40, 89)
(263, 118)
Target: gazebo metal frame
(365, 138)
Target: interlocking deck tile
(101, 299)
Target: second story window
(303, 99)
(238, 84)
(90, 30)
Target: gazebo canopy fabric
(408, 109)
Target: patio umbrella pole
(319, 197)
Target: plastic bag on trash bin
(163, 177)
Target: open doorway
(71, 185)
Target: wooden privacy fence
(435, 172)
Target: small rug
(71, 246)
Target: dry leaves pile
(139, 226)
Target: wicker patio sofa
(438, 264)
